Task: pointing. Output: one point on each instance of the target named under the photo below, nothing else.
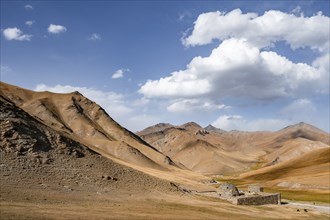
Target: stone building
(228, 190)
(255, 189)
(255, 195)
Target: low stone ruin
(255, 195)
(265, 198)
(228, 190)
(255, 189)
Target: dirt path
(305, 206)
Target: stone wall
(255, 189)
(258, 200)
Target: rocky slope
(35, 156)
(86, 122)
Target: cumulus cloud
(244, 67)
(229, 122)
(28, 7)
(237, 68)
(56, 29)
(29, 23)
(189, 105)
(112, 102)
(237, 122)
(15, 34)
(119, 73)
(262, 31)
(94, 37)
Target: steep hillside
(87, 122)
(37, 157)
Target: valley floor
(43, 203)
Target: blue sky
(247, 65)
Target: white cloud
(29, 23)
(139, 122)
(262, 31)
(189, 105)
(15, 34)
(301, 110)
(237, 69)
(179, 84)
(229, 122)
(56, 29)
(119, 73)
(184, 15)
(181, 17)
(267, 124)
(112, 102)
(298, 107)
(297, 11)
(243, 66)
(5, 69)
(141, 102)
(322, 63)
(237, 122)
(28, 7)
(94, 37)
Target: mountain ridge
(85, 120)
(243, 150)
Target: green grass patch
(297, 195)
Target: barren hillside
(85, 121)
(215, 151)
(77, 118)
(34, 154)
(308, 171)
(63, 156)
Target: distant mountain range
(34, 123)
(269, 156)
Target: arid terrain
(63, 157)
(296, 156)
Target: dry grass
(300, 195)
(260, 163)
